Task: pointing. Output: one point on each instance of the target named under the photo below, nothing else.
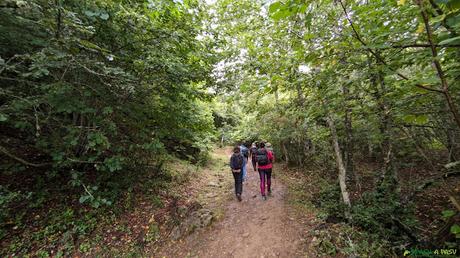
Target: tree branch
(377, 55)
(22, 161)
(444, 23)
(454, 202)
(425, 46)
(437, 65)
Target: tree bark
(384, 126)
(58, 19)
(348, 148)
(340, 164)
(285, 152)
(418, 147)
(20, 160)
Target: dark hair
(236, 149)
(262, 145)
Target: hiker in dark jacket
(236, 164)
(245, 152)
(265, 159)
(252, 154)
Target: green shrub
(9, 200)
(381, 212)
(330, 201)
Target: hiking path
(251, 228)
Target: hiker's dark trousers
(238, 182)
(254, 162)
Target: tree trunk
(285, 152)
(348, 148)
(299, 153)
(58, 19)
(340, 164)
(384, 127)
(418, 147)
(378, 81)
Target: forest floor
(250, 228)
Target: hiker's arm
(231, 162)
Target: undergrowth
(59, 226)
(367, 235)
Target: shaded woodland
(99, 97)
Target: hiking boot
(238, 196)
(270, 193)
(264, 197)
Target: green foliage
(153, 232)
(381, 212)
(350, 241)
(101, 85)
(368, 66)
(378, 215)
(455, 229)
(97, 93)
(95, 96)
(9, 200)
(448, 213)
(329, 201)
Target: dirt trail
(251, 228)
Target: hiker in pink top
(265, 159)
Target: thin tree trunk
(384, 127)
(58, 19)
(348, 148)
(299, 152)
(285, 152)
(300, 96)
(276, 97)
(20, 160)
(450, 138)
(370, 150)
(418, 147)
(340, 164)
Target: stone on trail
(213, 184)
(176, 233)
(197, 219)
(211, 195)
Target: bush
(330, 201)
(9, 201)
(379, 212)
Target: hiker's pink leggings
(265, 178)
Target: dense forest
(100, 98)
